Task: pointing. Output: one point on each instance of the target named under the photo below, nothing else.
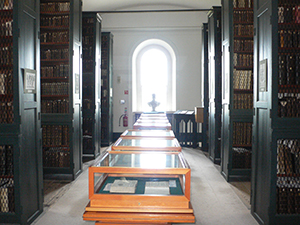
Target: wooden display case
(149, 144)
(148, 133)
(170, 171)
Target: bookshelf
(20, 124)
(61, 97)
(237, 89)
(275, 186)
(106, 88)
(205, 86)
(214, 84)
(91, 89)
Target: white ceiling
(118, 5)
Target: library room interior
(150, 112)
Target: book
(157, 187)
(123, 186)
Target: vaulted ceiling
(119, 5)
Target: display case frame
(147, 146)
(140, 202)
(148, 133)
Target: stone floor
(214, 200)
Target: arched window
(154, 72)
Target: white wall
(182, 30)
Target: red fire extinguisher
(125, 118)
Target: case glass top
(148, 142)
(143, 160)
(149, 133)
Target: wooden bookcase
(106, 89)
(20, 124)
(214, 84)
(61, 81)
(276, 123)
(237, 90)
(205, 86)
(91, 89)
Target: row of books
(242, 16)
(7, 195)
(241, 158)
(61, 70)
(6, 82)
(55, 106)
(243, 79)
(287, 199)
(243, 101)
(289, 12)
(61, 53)
(87, 103)
(88, 143)
(87, 51)
(243, 30)
(289, 37)
(87, 126)
(88, 65)
(87, 40)
(6, 27)
(243, 45)
(6, 4)
(55, 135)
(243, 4)
(242, 133)
(289, 105)
(243, 60)
(6, 109)
(88, 30)
(60, 88)
(55, 37)
(53, 21)
(6, 160)
(6, 56)
(288, 157)
(289, 69)
(56, 157)
(55, 7)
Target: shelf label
(29, 81)
(263, 75)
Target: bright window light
(154, 78)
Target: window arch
(153, 72)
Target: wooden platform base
(102, 218)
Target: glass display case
(153, 115)
(147, 118)
(149, 133)
(148, 144)
(152, 126)
(136, 186)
